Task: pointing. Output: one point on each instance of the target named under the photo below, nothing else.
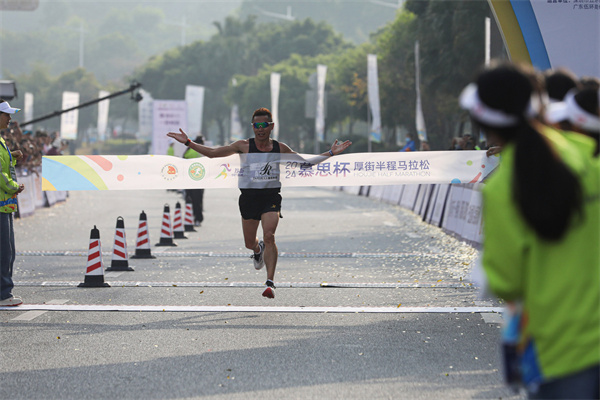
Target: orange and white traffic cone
(178, 231)
(166, 232)
(119, 261)
(189, 218)
(142, 246)
(94, 274)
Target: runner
(260, 201)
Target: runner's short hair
(261, 112)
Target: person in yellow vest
(195, 196)
(171, 149)
(9, 189)
(541, 213)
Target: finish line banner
(263, 170)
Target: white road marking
(29, 315)
(304, 285)
(259, 309)
(113, 274)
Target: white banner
(194, 97)
(420, 121)
(69, 120)
(168, 116)
(145, 115)
(373, 89)
(237, 131)
(320, 113)
(28, 107)
(359, 169)
(103, 107)
(275, 85)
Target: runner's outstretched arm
(336, 148)
(211, 152)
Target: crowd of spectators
(33, 145)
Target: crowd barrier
(33, 197)
(455, 208)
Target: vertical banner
(168, 116)
(103, 115)
(488, 40)
(28, 107)
(145, 115)
(237, 131)
(320, 112)
(69, 121)
(275, 85)
(373, 89)
(194, 97)
(420, 120)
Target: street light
(81, 34)
(288, 16)
(183, 26)
(386, 4)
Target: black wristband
(188, 142)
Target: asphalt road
(371, 303)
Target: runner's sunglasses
(264, 125)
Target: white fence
(455, 208)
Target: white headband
(579, 117)
(469, 100)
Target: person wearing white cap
(541, 213)
(578, 113)
(9, 189)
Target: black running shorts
(254, 203)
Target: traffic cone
(189, 218)
(94, 274)
(142, 246)
(178, 223)
(166, 232)
(119, 260)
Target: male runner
(260, 201)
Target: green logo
(196, 171)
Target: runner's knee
(269, 238)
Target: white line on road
(259, 309)
(29, 315)
(303, 285)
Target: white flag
(28, 107)
(103, 115)
(194, 97)
(236, 126)
(168, 116)
(145, 115)
(320, 114)
(275, 85)
(420, 120)
(373, 88)
(69, 120)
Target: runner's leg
(249, 229)
(269, 222)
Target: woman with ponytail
(541, 250)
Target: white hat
(6, 108)
(557, 112)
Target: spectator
(9, 189)
(541, 213)
(410, 144)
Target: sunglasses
(264, 125)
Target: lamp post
(288, 16)
(387, 4)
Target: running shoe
(269, 292)
(11, 302)
(258, 259)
